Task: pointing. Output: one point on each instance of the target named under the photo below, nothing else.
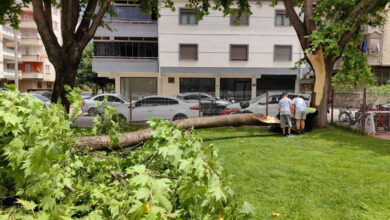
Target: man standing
(285, 107)
(300, 113)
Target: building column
(218, 86)
(297, 83)
(117, 84)
(254, 87)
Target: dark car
(209, 104)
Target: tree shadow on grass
(241, 136)
(354, 139)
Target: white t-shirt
(284, 105)
(300, 104)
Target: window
(238, 52)
(47, 68)
(243, 20)
(99, 98)
(28, 68)
(113, 99)
(129, 49)
(282, 53)
(55, 10)
(188, 52)
(48, 84)
(27, 51)
(39, 85)
(25, 17)
(274, 99)
(188, 16)
(281, 18)
(129, 14)
(171, 79)
(156, 101)
(55, 25)
(139, 86)
(197, 85)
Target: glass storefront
(206, 85)
(140, 86)
(237, 89)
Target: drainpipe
(16, 59)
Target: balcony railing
(32, 58)
(8, 30)
(129, 21)
(27, 35)
(130, 58)
(11, 73)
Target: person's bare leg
(289, 130)
(298, 124)
(303, 125)
(284, 130)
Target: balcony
(107, 65)
(31, 39)
(10, 74)
(9, 54)
(28, 24)
(8, 33)
(32, 58)
(32, 75)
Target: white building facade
(219, 55)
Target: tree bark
(323, 69)
(134, 138)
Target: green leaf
(29, 206)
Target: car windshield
(258, 98)
(124, 98)
(42, 98)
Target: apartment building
(219, 55)
(7, 54)
(35, 69)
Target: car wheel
(179, 117)
(92, 111)
(246, 111)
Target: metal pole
(266, 103)
(16, 59)
(200, 105)
(131, 106)
(364, 111)
(332, 107)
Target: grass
(326, 174)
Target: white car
(41, 98)
(114, 100)
(160, 107)
(258, 104)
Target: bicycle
(347, 118)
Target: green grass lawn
(326, 174)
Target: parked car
(161, 107)
(44, 93)
(209, 104)
(41, 98)
(113, 100)
(258, 104)
(86, 95)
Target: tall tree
(328, 29)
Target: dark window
(275, 82)
(128, 14)
(188, 16)
(48, 84)
(206, 85)
(39, 85)
(238, 52)
(126, 49)
(156, 101)
(243, 20)
(282, 53)
(113, 99)
(99, 98)
(188, 51)
(274, 99)
(239, 89)
(281, 18)
(171, 79)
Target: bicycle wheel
(345, 119)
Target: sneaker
(284, 135)
(289, 135)
(302, 132)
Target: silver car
(160, 107)
(210, 104)
(114, 100)
(258, 104)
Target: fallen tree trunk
(133, 138)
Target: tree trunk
(134, 138)
(66, 72)
(323, 74)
